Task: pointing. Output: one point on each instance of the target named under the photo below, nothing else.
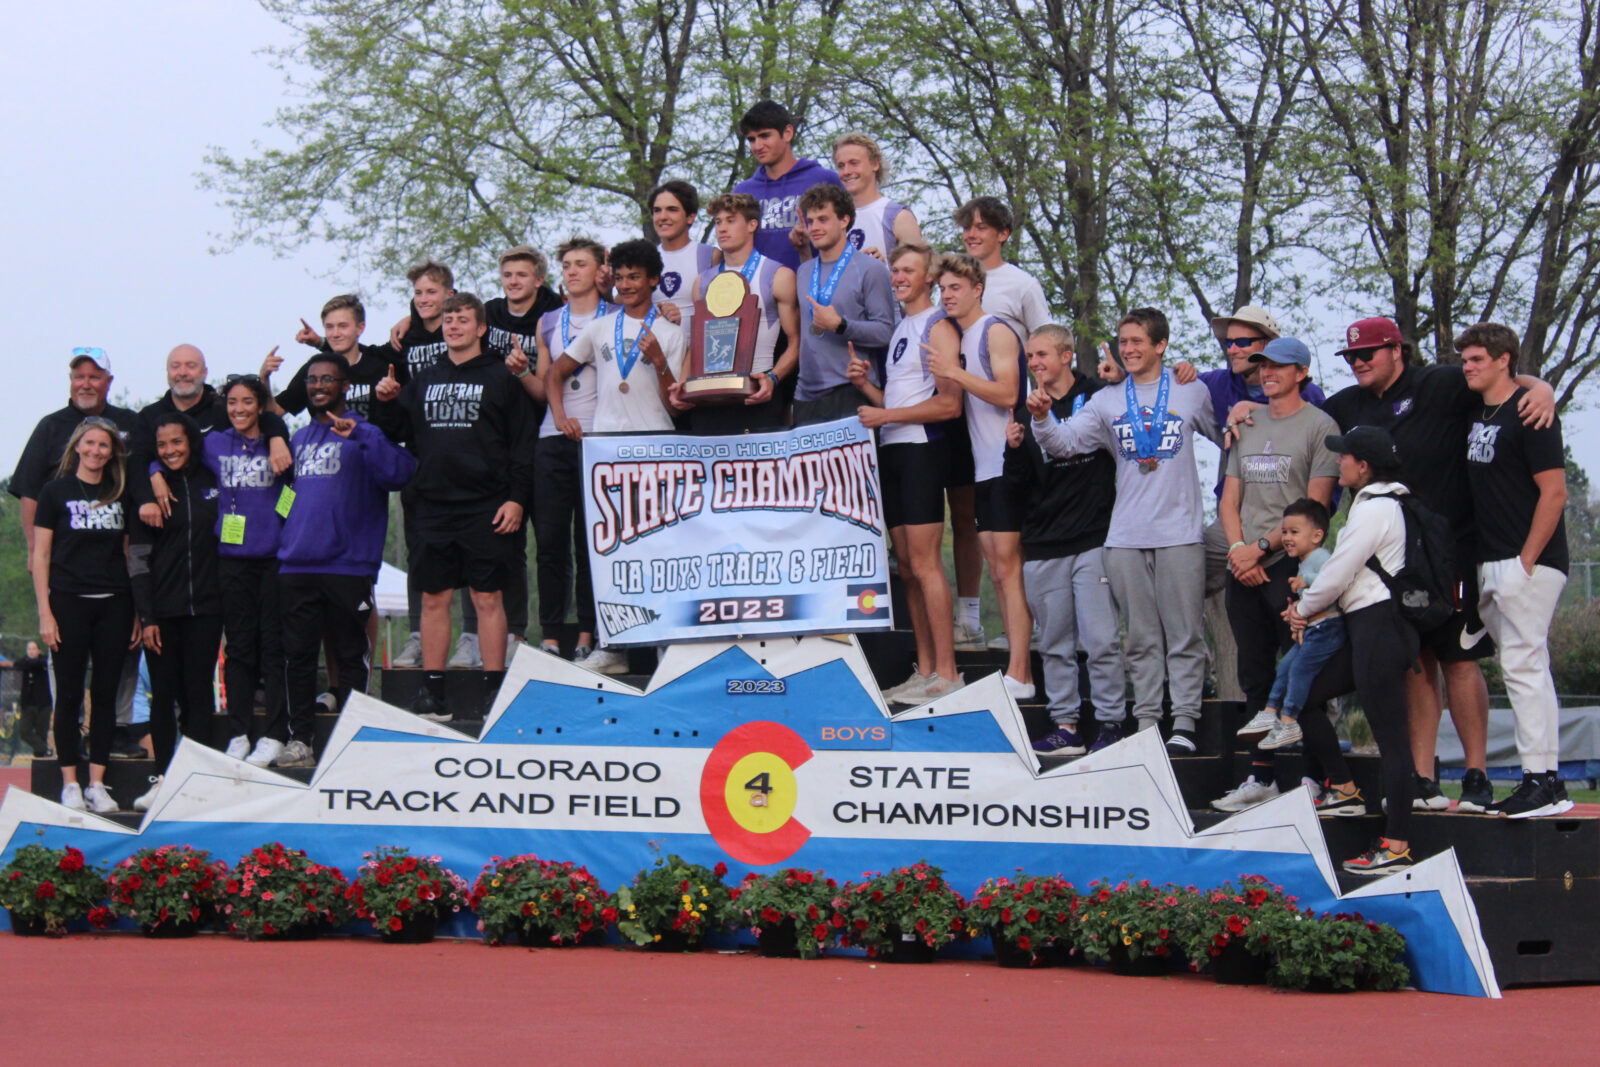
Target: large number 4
(761, 783)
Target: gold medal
(725, 294)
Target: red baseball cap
(1370, 333)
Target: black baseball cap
(1369, 444)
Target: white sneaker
(969, 638)
(239, 747)
(1019, 690)
(297, 754)
(607, 661)
(98, 797)
(72, 796)
(1263, 722)
(901, 693)
(410, 653)
(938, 686)
(466, 654)
(265, 752)
(1247, 794)
(329, 702)
(149, 798)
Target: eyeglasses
(323, 379)
(254, 379)
(1241, 342)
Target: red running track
(359, 1000)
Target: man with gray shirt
(1154, 557)
(845, 301)
(1277, 459)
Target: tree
(458, 127)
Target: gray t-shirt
(865, 299)
(1276, 459)
(1160, 509)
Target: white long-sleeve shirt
(1377, 527)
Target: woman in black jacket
(174, 572)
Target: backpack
(1424, 589)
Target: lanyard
(1146, 438)
(751, 265)
(566, 322)
(823, 293)
(625, 362)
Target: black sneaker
(1429, 797)
(1533, 797)
(427, 706)
(1181, 743)
(1346, 805)
(1108, 734)
(1062, 741)
(1558, 791)
(126, 749)
(1476, 793)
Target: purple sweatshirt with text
(340, 515)
(246, 486)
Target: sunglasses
(249, 379)
(1363, 356)
(96, 354)
(1241, 342)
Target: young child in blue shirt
(1305, 527)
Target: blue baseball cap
(1285, 350)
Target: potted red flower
(280, 894)
(1132, 925)
(1228, 929)
(789, 911)
(44, 889)
(672, 905)
(904, 916)
(172, 890)
(405, 896)
(1031, 919)
(540, 903)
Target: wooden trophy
(722, 342)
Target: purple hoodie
(340, 515)
(245, 484)
(779, 199)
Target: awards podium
(722, 342)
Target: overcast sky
(107, 234)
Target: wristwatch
(843, 322)
(1264, 545)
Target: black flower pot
(539, 937)
(903, 950)
(172, 928)
(415, 929)
(1008, 954)
(27, 927)
(676, 941)
(778, 941)
(1141, 966)
(297, 932)
(1237, 965)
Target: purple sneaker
(1110, 733)
(1063, 741)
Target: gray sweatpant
(1071, 601)
(1161, 595)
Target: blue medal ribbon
(748, 271)
(566, 322)
(1146, 435)
(822, 292)
(625, 362)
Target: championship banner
(702, 537)
(760, 755)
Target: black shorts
(912, 476)
(840, 402)
(463, 551)
(1445, 642)
(959, 468)
(996, 507)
